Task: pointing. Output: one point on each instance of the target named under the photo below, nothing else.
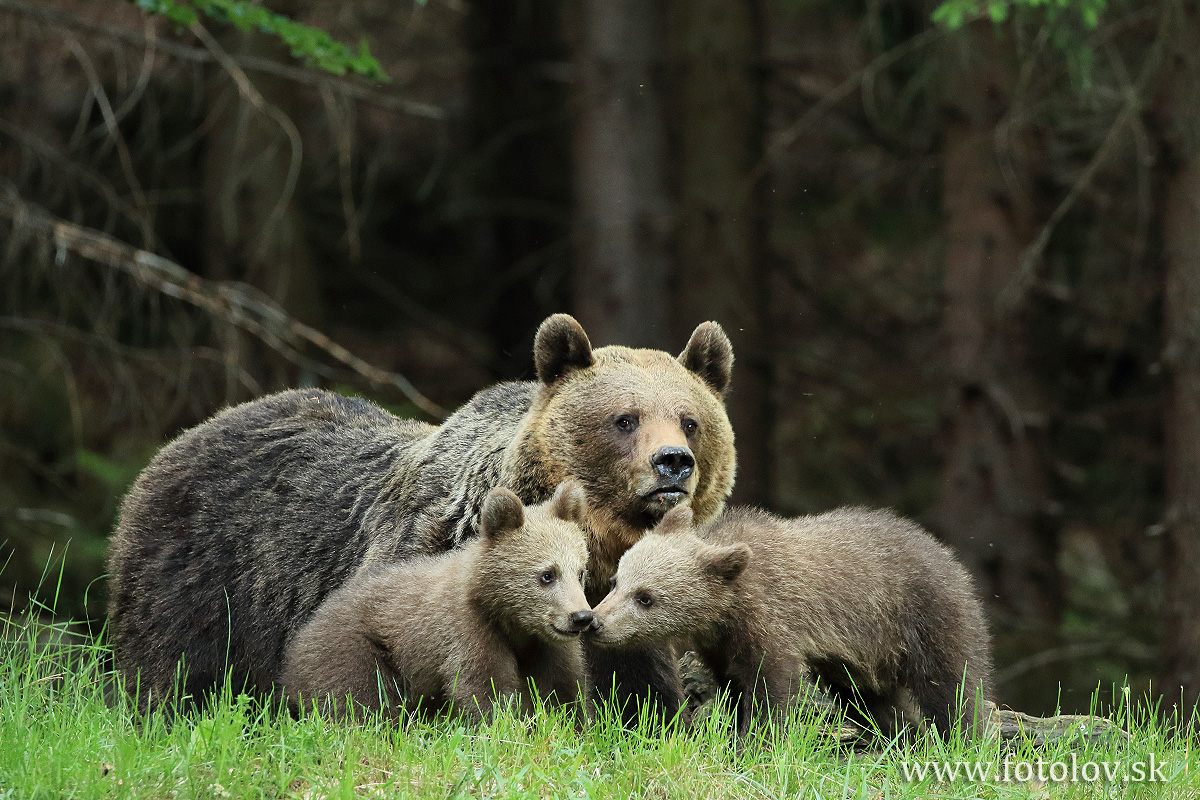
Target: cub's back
(848, 576)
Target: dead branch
(1135, 96)
(236, 304)
(62, 19)
(255, 99)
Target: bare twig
(114, 131)
(247, 90)
(342, 133)
(235, 304)
(59, 18)
(1135, 96)
(789, 135)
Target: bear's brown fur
(602, 416)
(466, 628)
(240, 527)
(865, 602)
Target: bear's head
(530, 574)
(642, 430)
(670, 584)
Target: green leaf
(314, 45)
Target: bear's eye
(690, 426)
(625, 423)
(612, 583)
(581, 576)
(643, 599)
(548, 577)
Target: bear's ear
(709, 354)
(725, 562)
(559, 347)
(677, 520)
(569, 502)
(502, 513)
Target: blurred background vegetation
(959, 259)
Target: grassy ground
(64, 732)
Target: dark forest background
(960, 266)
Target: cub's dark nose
(581, 620)
(674, 463)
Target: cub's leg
(330, 662)
(762, 689)
(561, 679)
(636, 678)
(478, 690)
(946, 701)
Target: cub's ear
(709, 354)
(726, 562)
(559, 347)
(677, 520)
(503, 513)
(569, 502)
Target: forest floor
(66, 731)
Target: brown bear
(465, 628)
(240, 527)
(864, 602)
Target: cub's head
(642, 430)
(670, 584)
(531, 571)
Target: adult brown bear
(240, 527)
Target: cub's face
(534, 566)
(669, 585)
(643, 431)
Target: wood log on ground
(1014, 728)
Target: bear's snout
(582, 620)
(675, 464)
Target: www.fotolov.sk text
(1068, 771)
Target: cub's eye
(643, 599)
(690, 426)
(626, 423)
(548, 577)
(581, 576)
(612, 583)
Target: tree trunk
(1181, 306)
(716, 52)
(255, 228)
(622, 213)
(993, 483)
(519, 141)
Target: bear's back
(264, 508)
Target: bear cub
(464, 629)
(864, 602)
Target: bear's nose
(582, 620)
(673, 463)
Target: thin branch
(237, 305)
(1013, 293)
(114, 131)
(62, 19)
(247, 90)
(789, 135)
(792, 133)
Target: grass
(65, 732)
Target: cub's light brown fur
(468, 627)
(868, 603)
